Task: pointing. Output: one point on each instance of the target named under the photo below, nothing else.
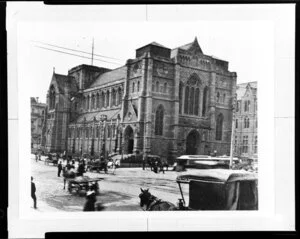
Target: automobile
(219, 189)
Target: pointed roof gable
(242, 88)
(193, 46)
(63, 81)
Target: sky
(246, 45)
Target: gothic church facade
(165, 102)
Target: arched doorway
(192, 142)
(129, 140)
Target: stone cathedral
(165, 102)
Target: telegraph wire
(71, 49)
(64, 52)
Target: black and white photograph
(124, 111)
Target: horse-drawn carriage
(211, 189)
(156, 163)
(51, 159)
(82, 184)
(97, 165)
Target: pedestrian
(36, 157)
(59, 167)
(80, 169)
(39, 156)
(33, 190)
(90, 201)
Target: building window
(246, 105)
(159, 120)
(138, 86)
(245, 144)
(133, 86)
(204, 101)
(120, 96)
(196, 105)
(237, 106)
(108, 131)
(165, 88)
(114, 96)
(186, 100)
(88, 103)
(93, 102)
(224, 97)
(219, 127)
(236, 123)
(248, 122)
(87, 132)
(218, 96)
(235, 144)
(157, 86)
(78, 132)
(255, 145)
(191, 103)
(102, 100)
(52, 98)
(98, 101)
(107, 98)
(180, 97)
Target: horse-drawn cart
(82, 184)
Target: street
(118, 192)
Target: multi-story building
(245, 132)
(38, 111)
(164, 102)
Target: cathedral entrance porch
(192, 143)
(128, 140)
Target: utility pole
(93, 51)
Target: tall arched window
(88, 102)
(102, 100)
(204, 100)
(107, 98)
(157, 86)
(248, 123)
(236, 123)
(98, 101)
(245, 122)
(224, 97)
(196, 106)
(133, 86)
(120, 96)
(138, 86)
(180, 97)
(86, 132)
(114, 96)
(218, 96)
(191, 103)
(93, 102)
(186, 100)
(159, 120)
(52, 98)
(219, 127)
(165, 87)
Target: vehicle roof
(218, 175)
(206, 157)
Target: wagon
(82, 184)
(220, 189)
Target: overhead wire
(64, 52)
(71, 49)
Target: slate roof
(241, 89)
(111, 114)
(110, 76)
(156, 44)
(65, 81)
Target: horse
(153, 203)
